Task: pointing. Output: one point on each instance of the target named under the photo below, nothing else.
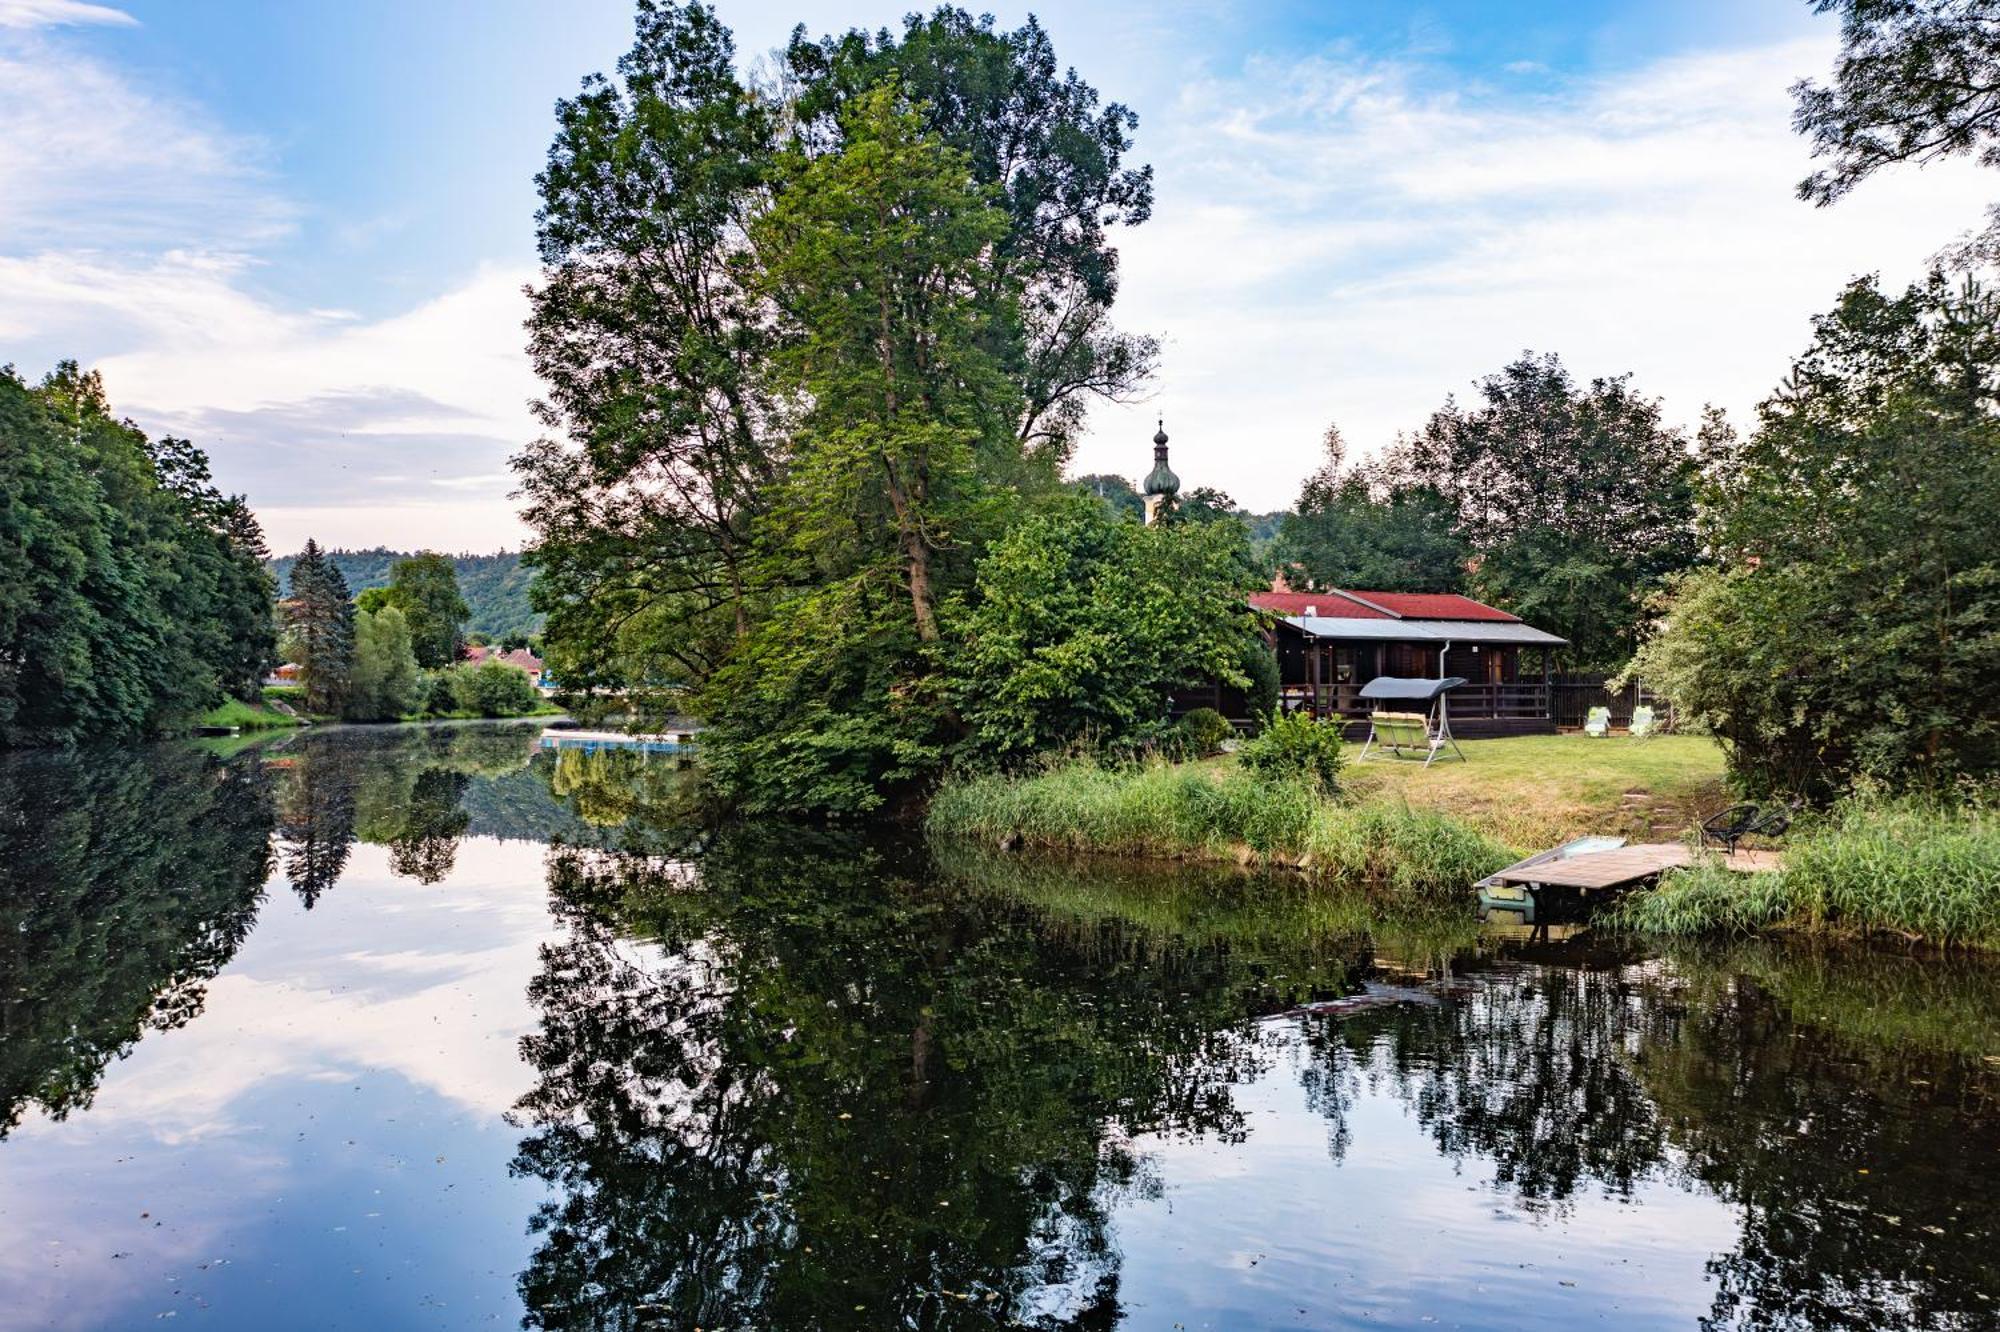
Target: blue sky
(298, 232)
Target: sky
(299, 234)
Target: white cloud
(134, 232)
(1339, 239)
(60, 13)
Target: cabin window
(1409, 661)
(1346, 665)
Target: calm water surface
(414, 1029)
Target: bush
(1206, 729)
(492, 690)
(1294, 746)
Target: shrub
(1206, 729)
(1294, 746)
(492, 690)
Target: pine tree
(319, 617)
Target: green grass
(1917, 869)
(1542, 790)
(1199, 813)
(246, 716)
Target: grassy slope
(1536, 791)
(248, 716)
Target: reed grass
(1194, 813)
(1921, 869)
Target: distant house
(519, 658)
(287, 674)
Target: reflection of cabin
(1331, 643)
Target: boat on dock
(664, 742)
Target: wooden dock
(1627, 865)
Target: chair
(1643, 723)
(1727, 827)
(1597, 723)
(1407, 734)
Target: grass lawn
(1535, 791)
(248, 716)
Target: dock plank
(1628, 864)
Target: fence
(1571, 697)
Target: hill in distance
(495, 586)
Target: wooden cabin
(1331, 643)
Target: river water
(414, 1028)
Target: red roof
(1343, 605)
(519, 658)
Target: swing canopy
(1398, 689)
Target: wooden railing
(1477, 702)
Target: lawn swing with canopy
(1407, 732)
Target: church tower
(1161, 483)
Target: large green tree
(903, 461)
(384, 684)
(652, 326)
(319, 620)
(1575, 500)
(425, 588)
(1356, 529)
(1917, 81)
(1083, 623)
(1854, 626)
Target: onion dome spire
(1161, 480)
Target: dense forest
(494, 586)
(132, 591)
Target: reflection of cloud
(312, 996)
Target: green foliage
(1575, 501)
(425, 588)
(806, 377)
(491, 690)
(1206, 730)
(1293, 746)
(1855, 629)
(385, 683)
(1916, 81)
(1081, 624)
(319, 623)
(495, 587)
(1165, 810)
(131, 596)
(1356, 527)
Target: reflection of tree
(1861, 1167)
(127, 879)
(834, 1096)
(427, 846)
(316, 812)
(1521, 1068)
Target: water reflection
(781, 1078)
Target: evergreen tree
(319, 617)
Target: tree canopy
(1916, 81)
(1576, 501)
(1853, 627)
(132, 592)
(811, 350)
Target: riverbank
(1922, 872)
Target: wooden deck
(1627, 865)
